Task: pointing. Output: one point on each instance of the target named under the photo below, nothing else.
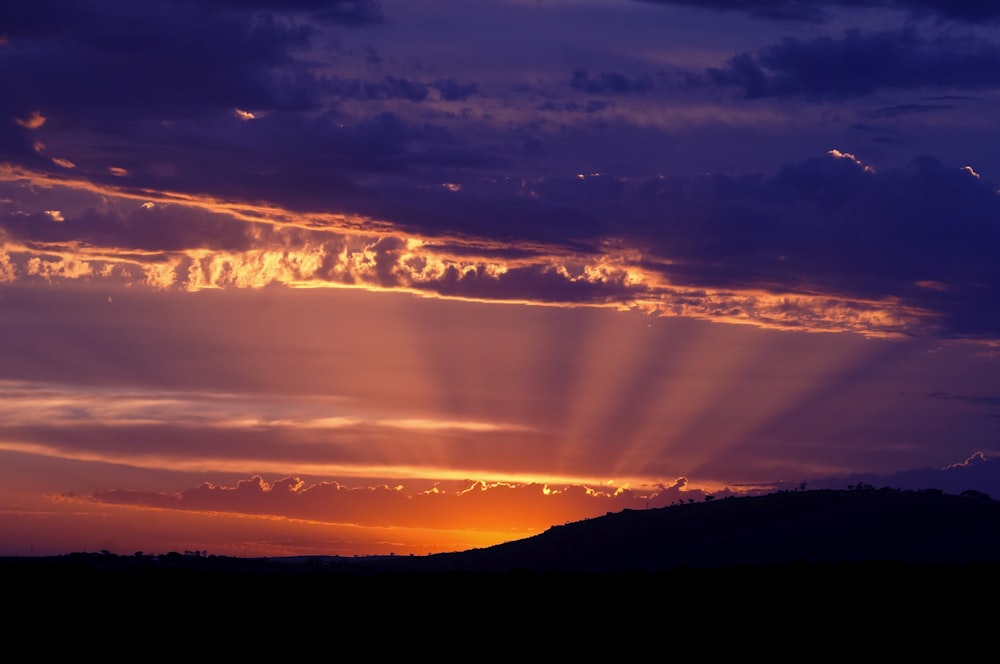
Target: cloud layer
(829, 243)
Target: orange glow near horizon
(160, 531)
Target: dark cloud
(340, 12)
(389, 87)
(93, 61)
(219, 98)
(818, 10)
(16, 141)
(805, 10)
(536, 283)
(905, 109)
(154, 92)
(609, 82)
(860, 64)
(829, 225)
(819, 221)
(981, 399)
(962, 10)
(879, 134)
(154, 228)
(976, 474)
(497, 212)
(451, 90)
(592, 106)
(392, 87)
(301, 161)
(351, 13)
(922, 235)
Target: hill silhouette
(858, 525)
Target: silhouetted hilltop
(858, 525)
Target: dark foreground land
(900, 571)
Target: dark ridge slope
(860, 525)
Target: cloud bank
(829, 243)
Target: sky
(345, 277)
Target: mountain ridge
(862, 524)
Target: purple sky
(608, 250)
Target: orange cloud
(33, 121)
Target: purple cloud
(818, 10)
(860, 64)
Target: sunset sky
(349, 277)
